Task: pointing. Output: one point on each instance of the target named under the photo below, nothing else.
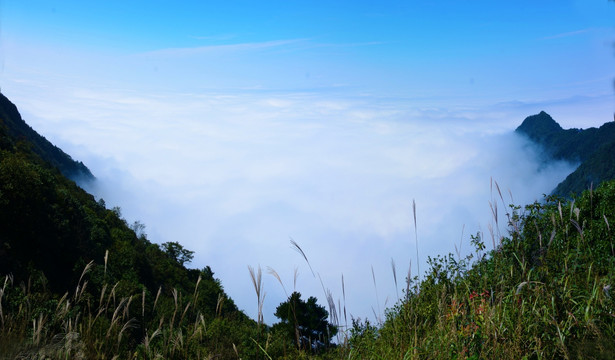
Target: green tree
(304, 323)
(177, 252)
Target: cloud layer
(235, 176)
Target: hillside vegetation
(545, 292)
(78, 282)
(16, 128)
(592, 148)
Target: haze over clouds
(232, 144)
(233, 177)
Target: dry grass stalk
(143, 304)
(174, 292)
(300, 251)
(1, 296)
(257, 281)
(576, 225)
(497, 186)
(378, 317)
(539, 234)
(409, 279)
(219, 304)
(333, 311)
(37, 329)
(394, 276)
(157, 296)
(196, 287)
(115, 317)
(322, 285)
(147, 340)
(102, 296)
(275, 274)
(235, 350)
(458, 249)
(198, 330)
(494, 211)
(112, 295)
(80, 288)
(553, 233)
(416, 240)
(132, 323)
(186, 310)
(344, 297)
(492, 233)
(126, 312)
(177, 341)
(106, 259)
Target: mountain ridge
(55, 236)
(18, 129)
(592, 148)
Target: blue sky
(234, 126)
(445, 48)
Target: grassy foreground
(545, 292)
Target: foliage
(598, 167)
(177, 252)
(593, 148)
(304, 323)
(15, 128)
(79, 282)
(544, 292)
(36, 324)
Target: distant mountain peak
(538, 126)
(592, 148)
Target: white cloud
(567, 34)
(218, 49)
(219, 37)
(233, 175)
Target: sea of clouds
(234, 176)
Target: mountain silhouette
(592, 148)
(23, 134)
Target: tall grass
(36, 325)
(544, 291)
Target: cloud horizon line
(567, 34)
(237, 47)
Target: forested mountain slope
(19, 131)
(62, 249)
(592, 148)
